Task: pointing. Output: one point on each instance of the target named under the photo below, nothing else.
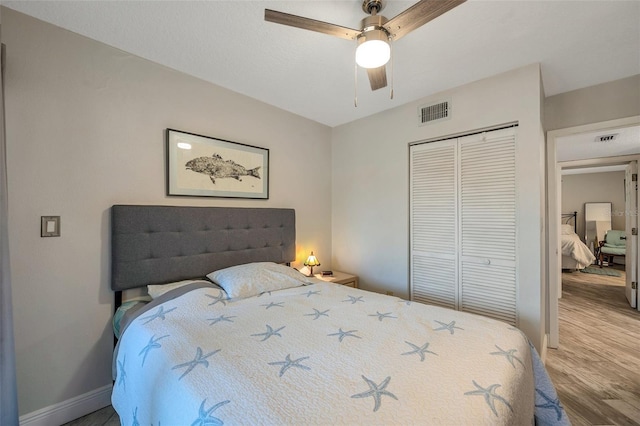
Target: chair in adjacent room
(614, 244)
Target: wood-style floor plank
(596, 369)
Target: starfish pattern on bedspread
(289, 363)
(159, 314)
(220, 298)
(219, 319)
(312, 293)
(343, 334)
(317, 314)
(552, 404)
(135, 418)
(420, 350)
(451, 326)
(509, 355)
(354, 299)
(382, 316)
(122, 375)
(376, 391)
(153, 344)
(272, 304)
(204, 416)
(489, 395)
(199, 359)
(270, 332)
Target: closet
(463, 223)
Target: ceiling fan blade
(310, 24)
(418, 15)
(377, 77)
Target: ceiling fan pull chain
(355, 86)
(391, 52)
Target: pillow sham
(252, 279)
(567, 229)
(157, 290)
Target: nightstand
(340, 278)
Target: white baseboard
(70, 409)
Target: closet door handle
(487, 262)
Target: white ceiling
(578, 43)
(587, 145)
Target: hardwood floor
(105, 417)
(596, 369)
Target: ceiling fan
(375, 33)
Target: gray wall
(85, 130)
(370, 223)
(607, 187)
(602, 102)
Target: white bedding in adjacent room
(323, 354)
(574, 248)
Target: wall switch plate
(49, 226)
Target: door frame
(554, 202)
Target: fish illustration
(217, 168)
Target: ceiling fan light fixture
(373, 49)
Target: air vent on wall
(434, 112)
(607, 138)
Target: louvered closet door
(488, 225)
(433, 221)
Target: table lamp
(311, 262)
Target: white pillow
(252, 279)
(567, 229)
(157, 290)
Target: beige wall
(602, 102)
(607, 187)
(85, 130)
(370, 223)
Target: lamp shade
(373, 50)
(311, 261)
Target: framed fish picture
(203, 166)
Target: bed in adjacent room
(235, 336)
(575, 254)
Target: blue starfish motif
(354, 299)
(344, 334)
(489, 396)
(160, 314)
(199, 359)
(220, 298)
(420, 350)
(205, 418)
(270, 332)
(376, 391)
(510, 355)
(288, 363)
(220, 318)
(382, 316)
(553, 404)
(312, 293)
(272, 304)
(135, 418)
(451, 326)
(317, 314)
(123, 374)
(153, 344)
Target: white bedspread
(320, 354)
(573, 247)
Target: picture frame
(204, 166)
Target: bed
(575, 254)
(235, 336)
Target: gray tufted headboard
(160, 244)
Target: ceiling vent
(607, 138)
(434, 112)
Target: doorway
(591, 155)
